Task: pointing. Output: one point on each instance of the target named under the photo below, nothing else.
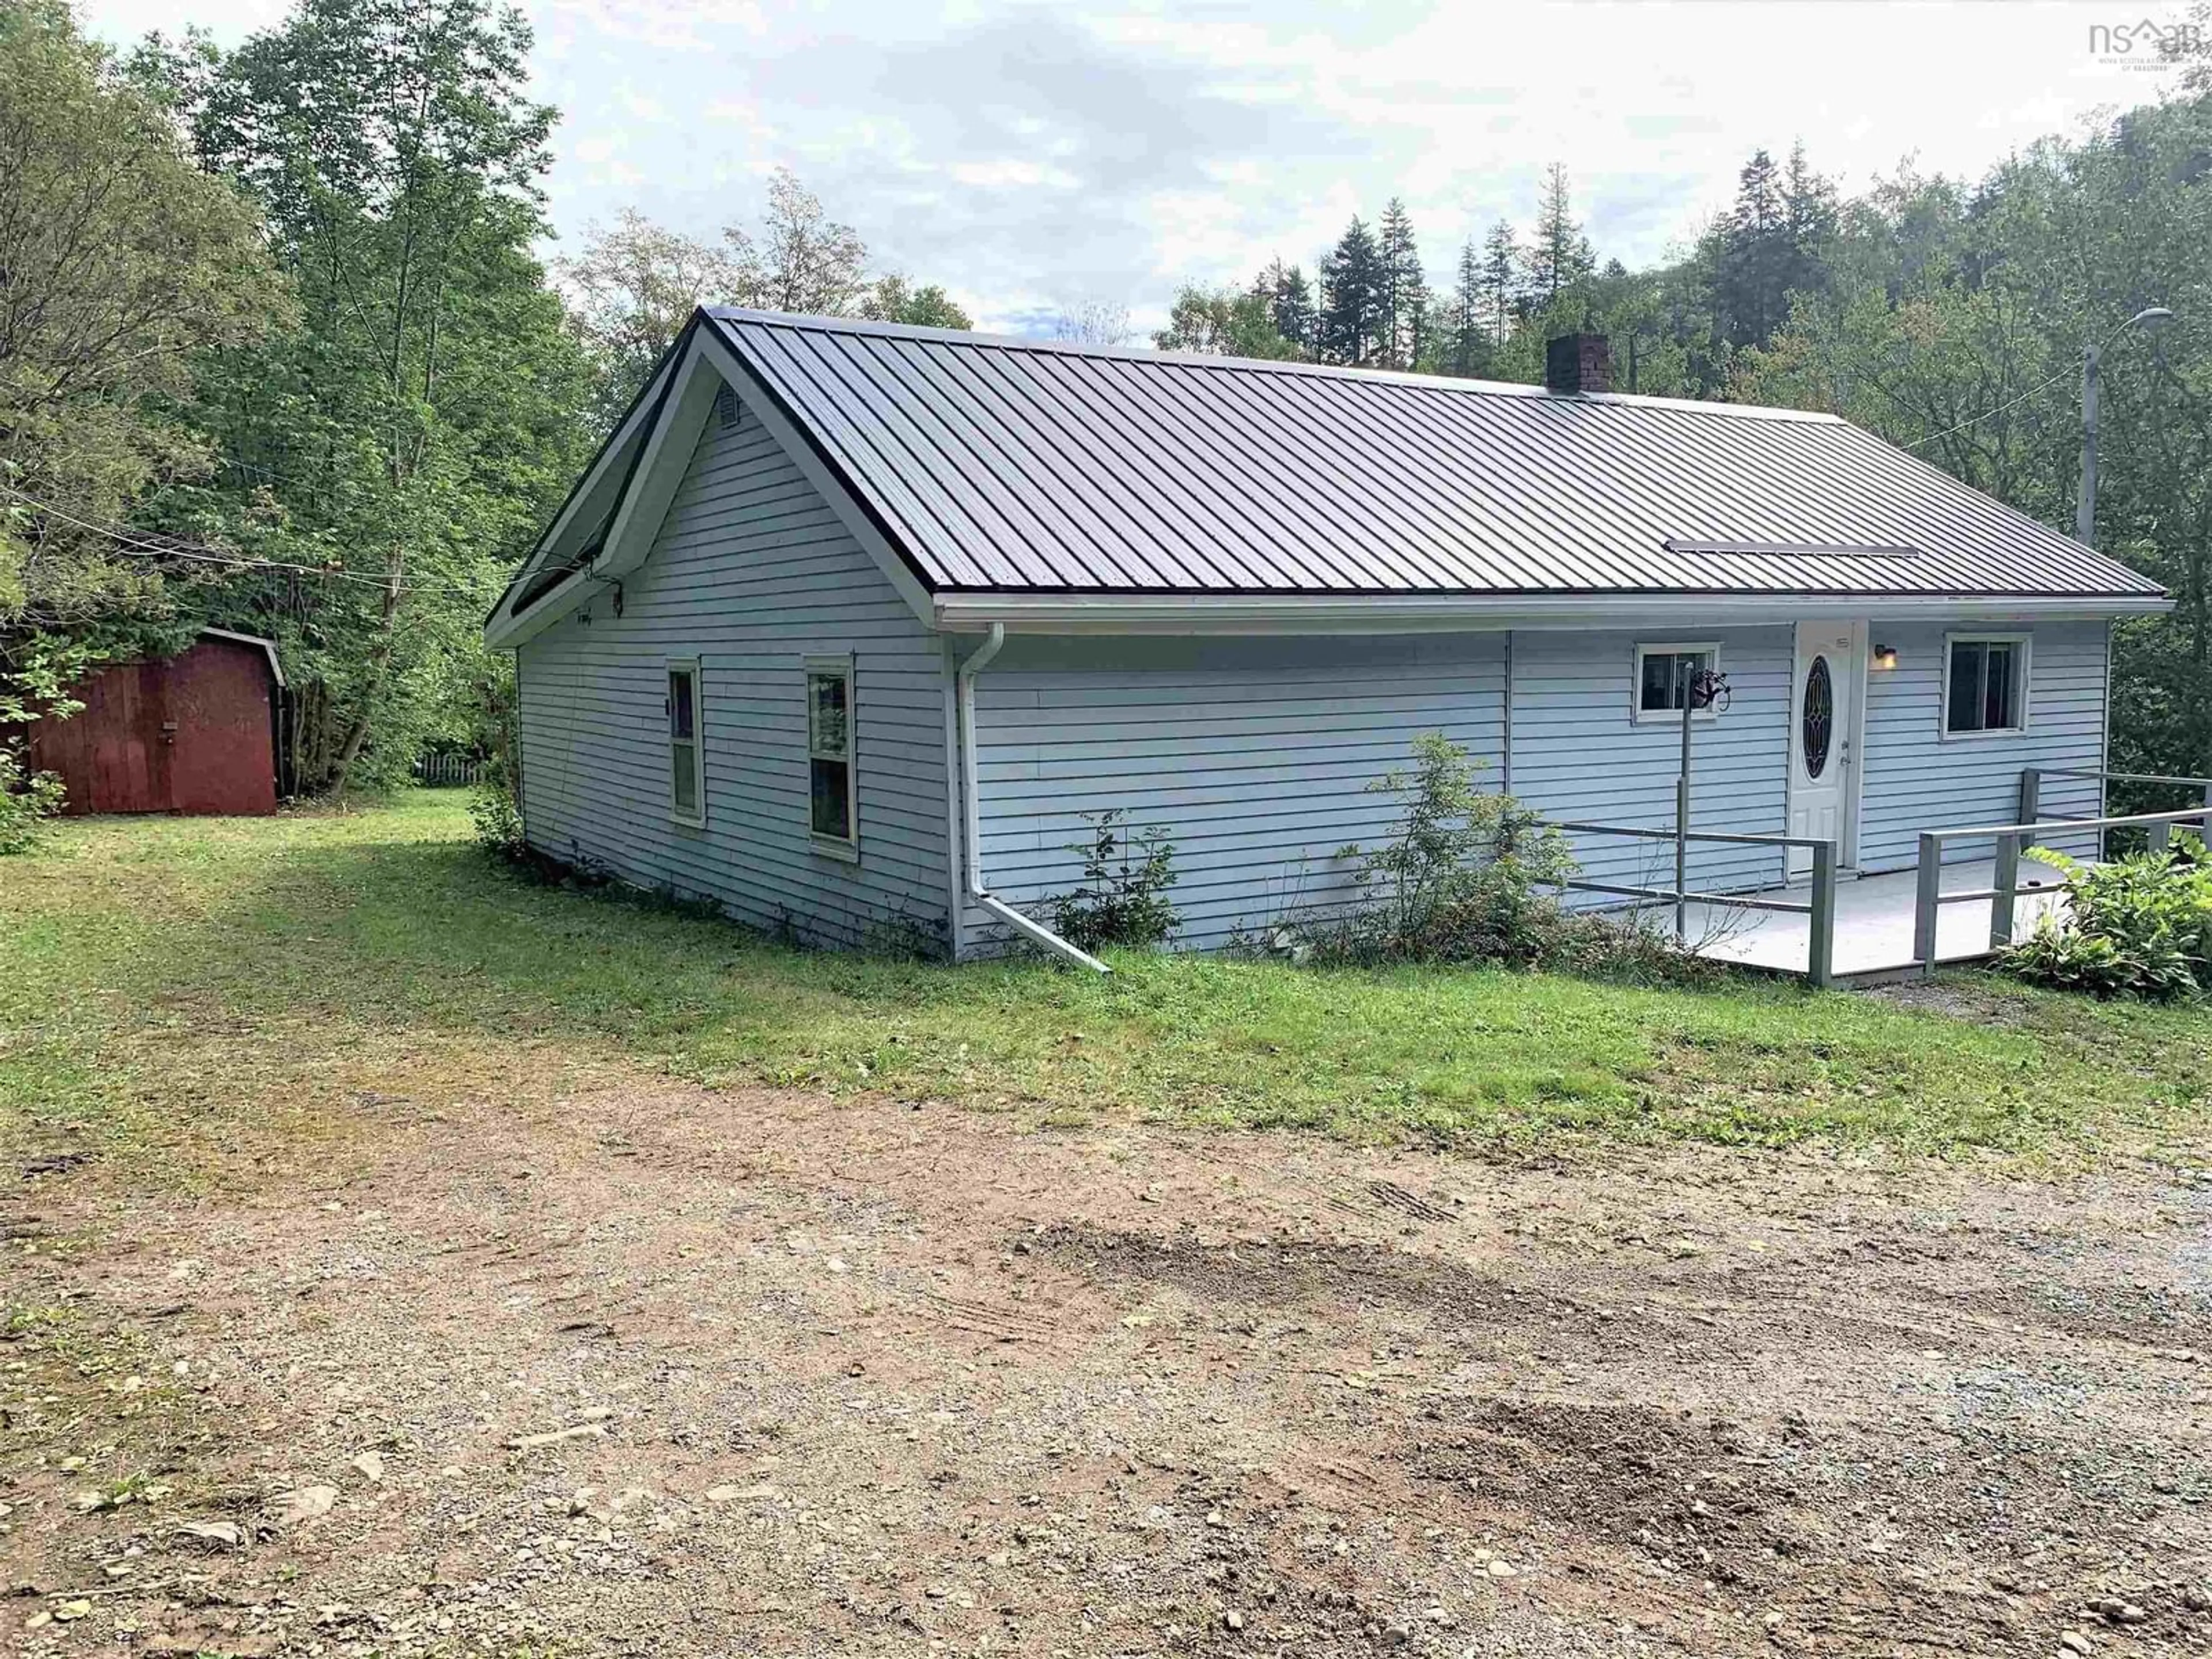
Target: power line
(1987, 414)
(131, 544)
(2041, 385)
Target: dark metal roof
(1005, 465)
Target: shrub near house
(2141, 925)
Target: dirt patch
(656, 1369)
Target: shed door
(1824, 773)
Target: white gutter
(972, 830)
(1060, 613)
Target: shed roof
(1014, 467)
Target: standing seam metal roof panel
(998, 465)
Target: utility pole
(2085, 505)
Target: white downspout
(972, 829)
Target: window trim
(2023, 643)
(697, 819)
(1641, 715)
(840, 667)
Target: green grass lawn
(157, 975)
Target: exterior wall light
(1885, 656)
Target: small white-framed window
(1660, 678)
(1985, 685)
(833, 811)
(687, 772)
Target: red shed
(196, 732)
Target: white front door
(1824, 773)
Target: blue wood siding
(1578, 752)
(751, 573)
(1252, 755)
(1917, 779)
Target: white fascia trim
(508, 628)
(660, 467)
(511, 631)
(1058, 613)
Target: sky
(1036, 158)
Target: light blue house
(848, 625)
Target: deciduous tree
(1227, 321)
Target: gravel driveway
(650, 1370)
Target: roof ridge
(1446, 383)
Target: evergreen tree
(1808, 206)
(1755, 255)
(1561, 256)
(1501, 281)
(1290, 301)
(1468, 344)
(1404, 289)
(1777, 241)
(1350, 326)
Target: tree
(1349, 329)
(804, 261)
(1223, 321)
(1502, 265)
(631, 291)
(1467, 341)
(1808, 207)
(1403, 289)
(398, 451)
(889, 300)
(1289, 303)
(1775, 243)
(1560, 256)
(120, 264)
(635, 286)
(1094, 323)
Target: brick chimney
(1578, 362)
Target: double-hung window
(831, 808)
(1984, 683)
(1661, 671)
(687, 778)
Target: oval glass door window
(1819, 717)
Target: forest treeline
(277, 352)
(276, 355)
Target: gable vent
(726, 408)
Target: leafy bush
(1458, 878)
(2139, 925)
(1123, 898)
(1471, 876)
(25, 799)
(35, 681)
(497, 814)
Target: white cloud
(1009, 173)
(1029, 153)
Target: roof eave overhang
(1369, 613)
(612, 469)
(666, 418)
